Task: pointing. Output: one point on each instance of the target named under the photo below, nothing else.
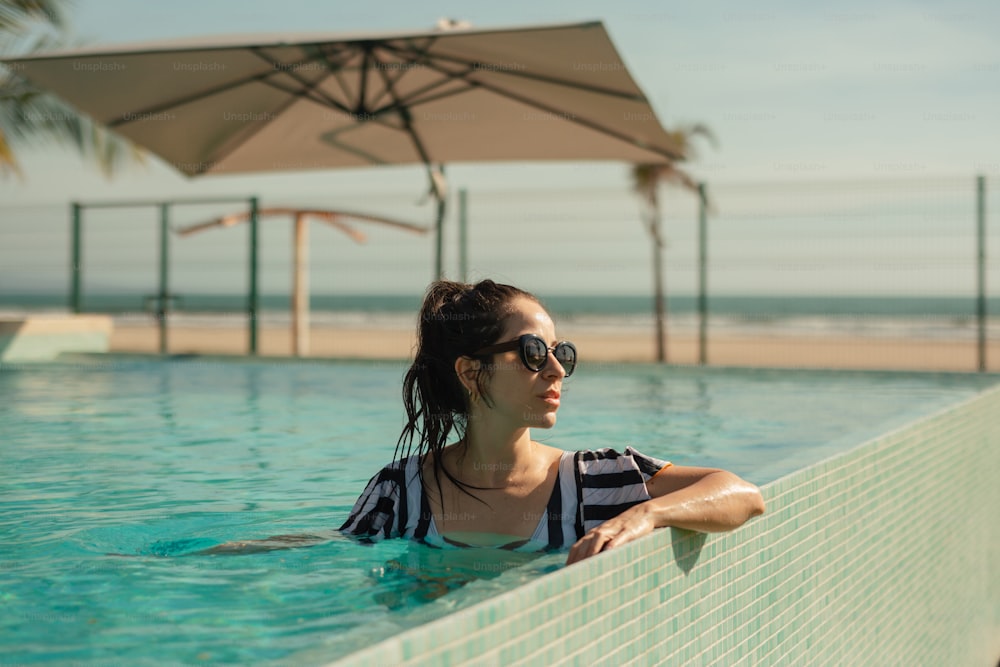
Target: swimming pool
(152, 460)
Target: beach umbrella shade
(284, 102)
(276, 102)
(300, 256)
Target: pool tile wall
(883, 555)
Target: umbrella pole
(463, 234)
(300, 287)
(438, 252)
(438, 189)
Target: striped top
(591, 487)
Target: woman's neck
(492, 457)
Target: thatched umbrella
(300, 253)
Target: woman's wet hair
(456, 320)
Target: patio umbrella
(234, 104)
(278, 102)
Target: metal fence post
(981, 267)
(253, 297)
(75, 269)
(463, 234)
(164, 295)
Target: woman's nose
(553, 368)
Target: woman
(490, 368)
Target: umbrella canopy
(300, 101)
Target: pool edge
(913, 584)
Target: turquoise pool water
(116, 471)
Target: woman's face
(518, 394)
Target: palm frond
(18, 16)
(30, 117)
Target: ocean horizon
(940, 317)
(755, 306)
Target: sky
(794, 92)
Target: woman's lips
(551, 397)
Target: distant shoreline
(597, 347)
(734, 305)
(918, 333)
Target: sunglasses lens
(535, 352)
(566, 356)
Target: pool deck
(45, 337)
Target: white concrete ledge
(45, 337)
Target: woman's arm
(259, 546)
(705, 500)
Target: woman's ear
(467, 369)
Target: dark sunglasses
(535, 353)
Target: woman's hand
(631, 524)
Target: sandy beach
(600, 346)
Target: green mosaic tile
(850, 566)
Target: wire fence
(881, 274)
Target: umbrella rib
(388, 80)
(404, 114)
(309, 87)
(126, 117)
(262, 77)
(330, 138)
(237, 139)
(338, 76)
(414, 96)
(407, 60)
(573, 118)
(363, 79)
(310, 93)
(334, 57)
(413, 101)
(471, 66)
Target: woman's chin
(538, 415)
(547, 420)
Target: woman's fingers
(586, 546)
(608, 535)
(594, 542)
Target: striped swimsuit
(591, 487)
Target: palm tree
(646, 180)
(29, 116)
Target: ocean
(933, 317)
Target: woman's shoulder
(398, 471)
(609, 459)
(405, 463)
(605, 453)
